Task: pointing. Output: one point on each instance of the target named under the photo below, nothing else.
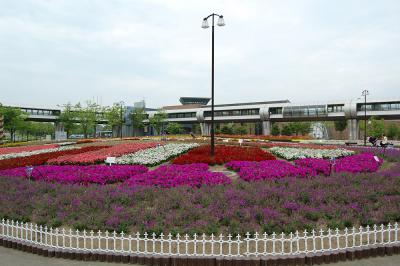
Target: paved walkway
(12, 257)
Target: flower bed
(253, 171)
(43, 157)
(100, 155)
(287, 204)
(296, 153)
(166, 176)
(26, 148)
(157, 155)
(223, 154)
(83, 175)
(264, 137)
(357, 163)
(389, 154)
(35, 152)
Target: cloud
(57, 51)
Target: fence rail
(201, 245)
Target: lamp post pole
(221, 22)
(121, 118)
(365, 93)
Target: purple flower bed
(253, 171)
(358, 163)
(389, 154)
(288, 204)
(70, 174)
(166, 176)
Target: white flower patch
(299, 153)
(29, 153)
(153, 156)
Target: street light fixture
(365, 93)
(204, 25)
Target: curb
(318, 258)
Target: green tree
(227, 129)
(158, 120)
(240, 130)
(287, 130)
(295, 127)
(114, 116)
(87, 116)
(275, 131)
(68, 118)
(174, 128)
(137, 117)
(13, 119)
(375, 127)
(305, 128)
(340, 125)
(392, 131)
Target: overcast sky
(54, 52)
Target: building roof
(185, 106)
(194, 100)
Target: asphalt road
(12, 257)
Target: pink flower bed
(358, 163)
(100, 155)
(27, 148)
(166, 176)
(78, 174)
(271, 169)
(253, 171)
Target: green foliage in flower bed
(285, 205)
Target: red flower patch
(223, 154)
(42, 158)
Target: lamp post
(365, 93)
(121, 117)
(204, 25)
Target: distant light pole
(121, 118)
(204, 25)
(365, 93)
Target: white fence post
(228, 246)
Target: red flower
(223, 154)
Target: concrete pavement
(12, 257)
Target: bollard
(117, 257)
(133, 259)
(396, 249)
(381, 250)
(148, 260)
(94, 256)
(141, 259)
(51, 252)
(125, 258)
(389, 250)
(358, 253)
(318, 258)
(309, 259)
(219, 261)
(300, 260)
(165, 261)
(156, 261)
(102, 257)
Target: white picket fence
(217, 246)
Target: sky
(58, 51)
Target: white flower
(29, 153)
(298, 153)
(157, 155)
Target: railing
(215, 246)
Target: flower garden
(176, 187)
